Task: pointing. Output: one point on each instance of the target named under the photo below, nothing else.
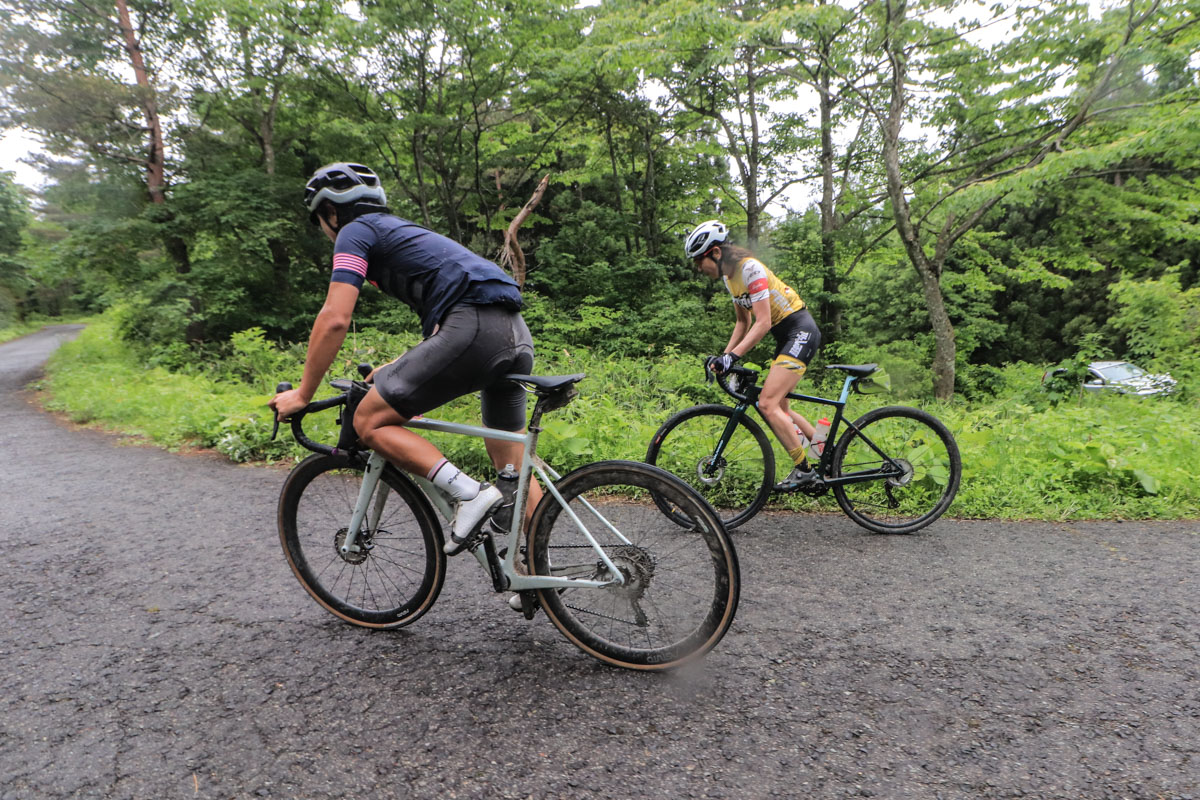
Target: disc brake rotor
(906, 473)
(339, 539)
(718, 470)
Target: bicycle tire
(682, 585)
(922, 445)
(393, 583)
(684, 446)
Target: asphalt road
(155, 645)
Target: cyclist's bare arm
(328, 333)
(747, 335)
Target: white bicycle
(623, 581)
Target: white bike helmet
(343, 183)
(704, 237)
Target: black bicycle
(893, 470)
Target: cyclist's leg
(806, 427)
(381, 428)
(449, 364)
(781, 379)
(797, 339)
(503, 403)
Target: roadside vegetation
(966, 195)
(1026, 454)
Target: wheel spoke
(737, 482)
(392, 580)
(917, 481)
(669, 604)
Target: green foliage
(14, 281)
(1103, 456)
(646, 117)
(156, 320)
(98, 378)
(1160, 321)
(1106, 456)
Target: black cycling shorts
(797, 338)
(473, 347)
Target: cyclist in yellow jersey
(762, 303)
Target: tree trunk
(929, 271)
(512, 256)
(750, 177)
(618, 193)
(650, 200)
(829, 310)
(155, 160)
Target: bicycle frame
(507, 577)
(750, 399)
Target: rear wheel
(913, 485)
(737, 483)
(395, 578)
(680, 584)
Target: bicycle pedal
(525, 602)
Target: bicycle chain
(606, 616)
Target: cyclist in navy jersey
(470, 318)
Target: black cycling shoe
(798, 480)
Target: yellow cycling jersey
(752, 281)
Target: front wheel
(737, 481)
(397, 575)
(680, 584)
(912, 463)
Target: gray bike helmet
(340, 184)
(706, 236)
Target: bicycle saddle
(857, 370)
(546, 384)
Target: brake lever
(283, 386)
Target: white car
(1123, 378)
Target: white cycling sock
(453, 480)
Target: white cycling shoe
(469, 515)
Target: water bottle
(818, 441)
(506, 482)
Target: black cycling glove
(721, 364)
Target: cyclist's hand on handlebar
(721, 364)
(287, 403)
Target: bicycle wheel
(923, 449)
(681, 584)
(393, 582)
(738, 483)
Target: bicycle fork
(726, 436)
(371, 476)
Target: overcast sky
(14, 146)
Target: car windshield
(1121, 372)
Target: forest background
(966, 195)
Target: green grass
(1097, 457)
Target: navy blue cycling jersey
(426, 270)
